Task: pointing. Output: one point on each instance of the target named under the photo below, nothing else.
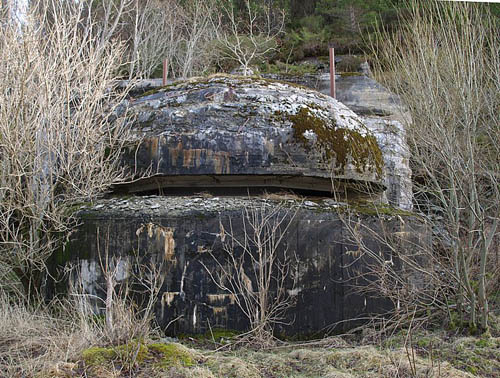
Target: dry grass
(50, 340)
(372, 362)
(354, 361)
(36, 343)
(34, 340)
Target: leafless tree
(131, 288)
(392, 257)
(110, 17)
(247, 36)
(58, 146)
(444, 64)
(154, 36)
(196, 55)
(257, 267)
(12, 11)
(154, 30)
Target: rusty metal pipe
(165, 71)
(332, 72)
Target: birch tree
(249, 35)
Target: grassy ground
(41, 343)
(431, 355)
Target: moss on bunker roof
(339, 144)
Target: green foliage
(313, 25)
(350, 63)
(288, 69)
(339, 23)
(305, 42)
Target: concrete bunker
(218, 146)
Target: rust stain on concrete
(174, 153)
(169, 240)
(269, 147)
(166, 300)
(192, 157)
(168, 297)
(221, 298)
(220, 161)
(164, 236)
(153, 148)
(219, 310)
(202, 249)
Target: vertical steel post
(165, 71)
(332, 72)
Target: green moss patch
(135, 353)
(348, 74)
(218, 334)
(158, 89)
(151, 92)
(98, 356)
(168, 355)
(341, 144)
(209, 339)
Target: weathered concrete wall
(383, 113)
(179, 232)
(224, 125)
(391, 137)
(360, 93)
(246, 137)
